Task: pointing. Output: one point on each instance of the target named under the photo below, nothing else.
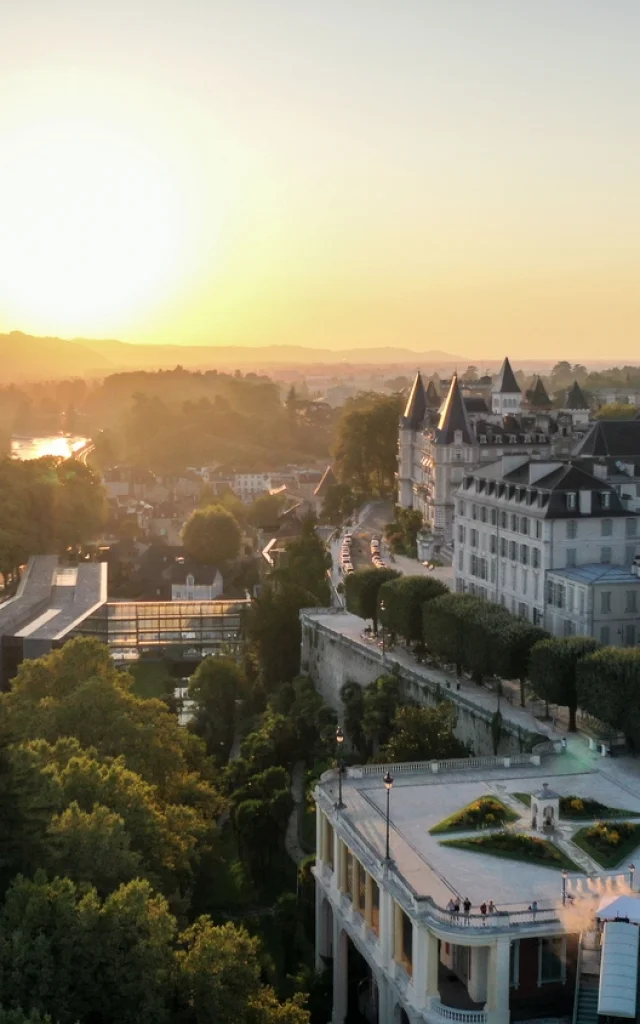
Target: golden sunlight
(92, 229)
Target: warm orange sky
(460, 175)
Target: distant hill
(24, 357)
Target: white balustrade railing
(453, 764)
(461, 1016)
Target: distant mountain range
(24, 357)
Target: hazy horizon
(459, 177)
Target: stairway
(587, 1002)
(585, 1007)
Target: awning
(612, 907)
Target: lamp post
(383, 608)
(340, 741)
(565, 874)
(388, 783)
(632, 871)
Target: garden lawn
(486, 812)
(580, 808)
(513, 846)
(606, 854)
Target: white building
(602, 601)
(519, 519)
(192, 581)
(400, 951)
(438, 443)
(248, 486)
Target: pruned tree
(553, 670)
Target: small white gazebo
(545, 809)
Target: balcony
(442, 1012)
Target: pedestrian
(451, 907)
(483, 911)
(456, 907)
(466, 906)
(534, 909)
(564, 744)
(492, 907)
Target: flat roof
(596, 572)
(51, 599)
(420, 800)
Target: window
(503, 547)
(461, 533)
(493, 544)
(567, 627)
(571, 499)
(473, 535)
(375, 907)
(483, 513)
(524, 525)
(581, 601)
(538, 529)
(552, 960)
(630, 634)
(604, 635)
(461, 508)
(605, 556)
(512, 550)
(605, 497)
(524, 554)
(494, 517)
(522, 610)
(535, 558)
(606, 527)
(631, 527)
(514, 523)
(631, 601)
(190, 580)
(605, 602)
(474, 511)
(503, 520)
(572, 529)
(571, 558)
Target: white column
(433, 965)
(320, 820)
(385, 1000)
(419, 956)
(498, 982)
(339, 973)
(323, 939)
(386, 927)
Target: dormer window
(606, 499)
(483, 438)
(572, 499)
(190, 580)
(513, 439)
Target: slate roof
(453, 417)
(576, 398)
(538, 397)
(416, 407)
(203, 575)
(476, 404)
(595, 572)
(432, 398)
(507, 383)
(616, 438)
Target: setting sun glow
(95, 227)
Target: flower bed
(608, 842)
(581, 808)
(487, 812)
(516, 846)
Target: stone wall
(331, 659)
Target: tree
(218, 975)
(274, 632)
(403, 600)
(423, 734)
(216, 686)
(211, 535)
(381, 701)
(553, 667)
(444, 625)
(361, 590)
(608, 687)
(512, 640)
(339, 503)
(20, 1017)
(306, 563)
(265, 510)
(352, 697)
(93, 847)
(616, 411)
(365, 450)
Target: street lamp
(340, 741)
(565, 875)
(383, 608)
(388, 783)
(632, 871)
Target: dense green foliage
(552, 670)
(608, 842)
(402, 533)
(366, 443)
(403, 600)
(211, 535)
(516, 846)
(216, 686)
(362, 592)
(46, 506)
(608, 687)
(480, 637)
(616, 411)
(339, 503)
(423, 734)
(486, 812)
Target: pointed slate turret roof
(575, 397)
(507, 383)
(416, 407)
(453, 417)
(432, 397)
(538, 397)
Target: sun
(91, 230)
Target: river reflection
(37, 447)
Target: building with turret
(440, 441)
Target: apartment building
(520, 519)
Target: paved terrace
(421, 799)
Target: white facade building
(248, 486)
(400, 950)
(438, 443)
(519, 519)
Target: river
(36, 447)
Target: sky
(459, 175)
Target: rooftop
(51, 600)
(598, 573)
(421, 800)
